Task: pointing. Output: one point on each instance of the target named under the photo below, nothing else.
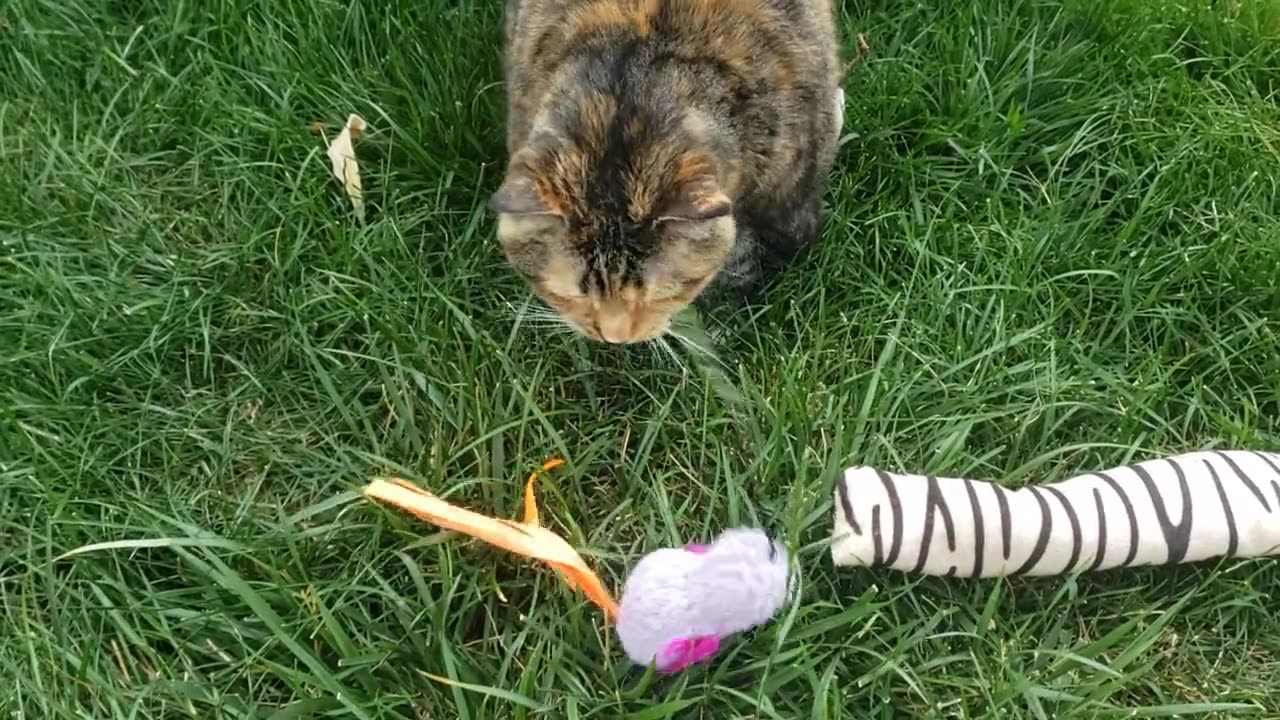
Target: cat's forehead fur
(610, 165)
(603, 157)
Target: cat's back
(542, 30)
(784, 51)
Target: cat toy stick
(1179, 509)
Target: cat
(663, 153)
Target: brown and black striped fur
(662, 151)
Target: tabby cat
(663, 151)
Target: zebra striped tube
(1178, 509)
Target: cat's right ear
(699, 199)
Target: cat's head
(615, 214)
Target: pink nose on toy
(683, 652)
(696, 548)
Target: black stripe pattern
(847, 506)
(933, 500)
(1275, 481)
(1248, 481)
(1233, 536)
(1046, 527)
(979, 530)
(1128, 508)
(1006, 524)
(1074, 520)
(1102, 530)
(895, 511)
(1178, 536)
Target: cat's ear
(519, 193)
(697, 199)
(519, 196)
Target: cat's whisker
(520, 315)
(563, 325)
(524, 308)
(696, 347)
(543, 316)
(526, 317)
(531, 309)
(540, 318)
(675, 357)
(547, 325)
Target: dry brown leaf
(342, 156)
(864, 49)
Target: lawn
(1053, 246)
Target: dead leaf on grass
(342, 155)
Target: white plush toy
(1179, 509)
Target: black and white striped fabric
(1178, 509)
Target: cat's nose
(615, 328)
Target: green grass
(1054, 245)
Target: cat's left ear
(519, 194)
(700, 199)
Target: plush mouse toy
(678, 604)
